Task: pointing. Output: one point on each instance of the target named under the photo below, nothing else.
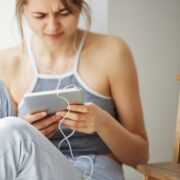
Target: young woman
(109, 125)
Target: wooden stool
(166, 170)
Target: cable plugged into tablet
(66, 139)
(71, 134)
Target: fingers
(78, 108)
(80, 127)
(50, 130)
(72, 115)
(31, 118)
(46, 125)
(74, 124)
(51, 134)
(41, 124)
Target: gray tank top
(81, 143)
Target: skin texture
(106, 65)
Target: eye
(39, 17)
(64, 13)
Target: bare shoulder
(113, 47)
(9, 63)
(113, 51)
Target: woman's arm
(8, 67)
(127, 139)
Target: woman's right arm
(46, 125)
(7, 70)
(4, 68)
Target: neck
(52, 52)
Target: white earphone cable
(68, 105)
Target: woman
(109, 125)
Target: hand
(46, 125)
(86, 118)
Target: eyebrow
(37, 12)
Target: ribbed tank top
(81, 143)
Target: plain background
(151, 29)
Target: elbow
(146, 153)
(144, 159)
(142, 156)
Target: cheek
(36, 27)
(69, 24)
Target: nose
(53, 25)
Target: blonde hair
(81, 4)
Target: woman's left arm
(126, 139)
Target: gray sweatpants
(26, 154)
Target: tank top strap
(76, 61)
(31, 55)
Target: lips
(57, 35)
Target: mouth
(54, 36)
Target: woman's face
(50, 21)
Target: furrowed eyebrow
(37, 12)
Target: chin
(53, 41)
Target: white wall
(6, 23)
(99, 15)
(152, 30)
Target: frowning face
(51, 21)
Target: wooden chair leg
(145, 177)
(148, 178)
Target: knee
(11, 122)
(13, 126)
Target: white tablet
(51, 101)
